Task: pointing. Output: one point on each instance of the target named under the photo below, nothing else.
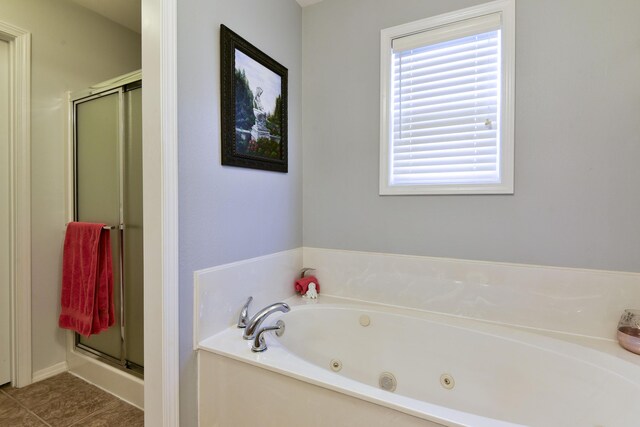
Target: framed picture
(253, 106)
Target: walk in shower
(107, 137)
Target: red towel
(302, 285)
(87, 279)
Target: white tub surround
(502, 375)
(567, 300)
(514, 338)
(220, 292)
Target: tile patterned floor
(64, 401)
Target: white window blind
(447, 103)
(445, 108)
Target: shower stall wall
(108, 189)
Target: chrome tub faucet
(259, 343)
(253, 325)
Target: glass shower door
(108, 180)
(98, 192)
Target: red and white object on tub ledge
(307, 285)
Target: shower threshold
(123, 365)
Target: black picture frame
(253, 106)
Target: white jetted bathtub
(437, 369)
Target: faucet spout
(254, 323)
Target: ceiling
(124, 12)
(304, 3)
(127, 12)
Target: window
(447, 103)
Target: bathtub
(436, 369)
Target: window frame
(506, 8)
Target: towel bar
(106, 227)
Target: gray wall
(577, 145)
(227, 213)
(577, 172)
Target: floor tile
(121, 414)
(13, 415)
(77, 403)
(62, 401)
(48, 390)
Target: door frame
(20, 201)
(160, 175)
(160, 212)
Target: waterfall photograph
(253, 106)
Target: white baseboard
(49, 372)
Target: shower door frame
(118, 86)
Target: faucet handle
(259, 343)
(244, 314)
